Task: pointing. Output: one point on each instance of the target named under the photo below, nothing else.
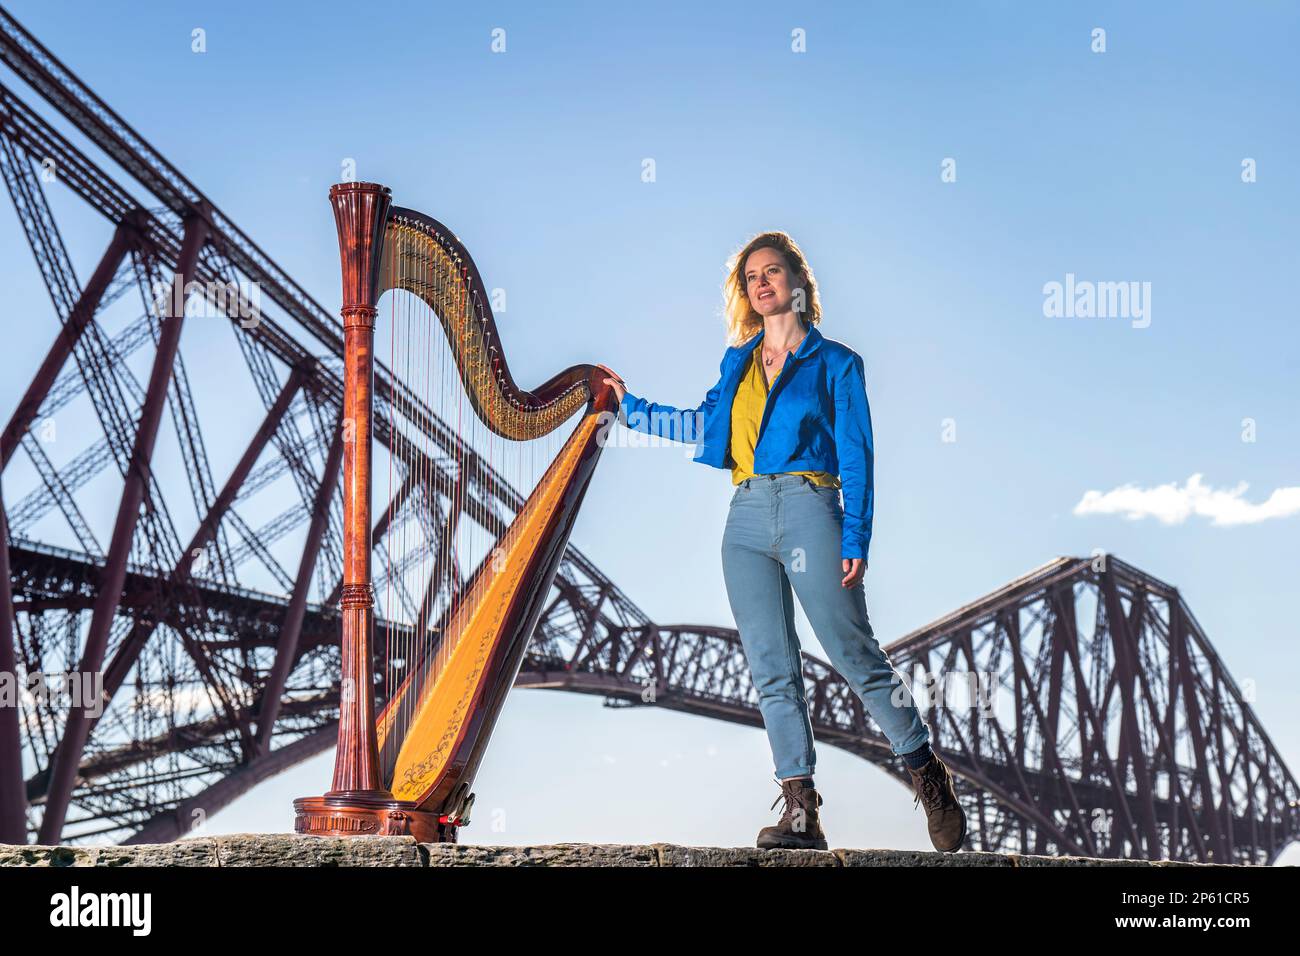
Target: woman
(789, 417)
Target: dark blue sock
(919, 757)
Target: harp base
(350, 813)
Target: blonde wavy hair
(743, 323)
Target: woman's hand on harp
(620, 388)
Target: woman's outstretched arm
(675, 424)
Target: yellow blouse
(747, 415)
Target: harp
(421, 688)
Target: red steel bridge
(1081, 707)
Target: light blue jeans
(784, 530)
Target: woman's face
(769, 283)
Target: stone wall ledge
(283, 849)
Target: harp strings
(445, 524)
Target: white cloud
(1171, 504)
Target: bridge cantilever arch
(1114, 728)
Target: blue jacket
(816, 419)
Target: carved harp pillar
(468, 556)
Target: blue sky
(1114, 167)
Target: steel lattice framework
(1081, 706)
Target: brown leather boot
(800, 826)
(944, 816)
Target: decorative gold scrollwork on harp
(414, 260)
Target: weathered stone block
(289, 849)
(559, 854)
(670, 854)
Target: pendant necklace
(769, 360)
